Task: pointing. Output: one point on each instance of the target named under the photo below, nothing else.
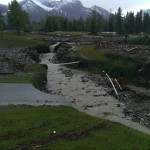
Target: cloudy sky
(113, 5)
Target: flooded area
(26, 94)
(84, 94)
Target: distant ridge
(38, 9)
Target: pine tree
(111, 23)
(95, 22)
(17, 19)
(80, 24)
(146, 23)
(129, 22)
(119, 21)
(1, 23)
(138, 25)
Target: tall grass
(38, 75)
(97, 60)
(141, 40)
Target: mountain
(147, 11)
(3, 8)
(101, 11)
(38, 9)
(36, 12)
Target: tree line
(130, 23)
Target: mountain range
(38, 9)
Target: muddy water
(26, 94)
(84, 95)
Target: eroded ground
(87, 93)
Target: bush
(38, 75)
(97, 60)
(42, 48)
(114, 68)
(142, 40)
(45, 66)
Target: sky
(111, 5)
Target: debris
(113, 85)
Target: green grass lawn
(14, 79)
(64, 128)
(10, 40)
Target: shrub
(42, 48)
(38, 75)
(142, 40)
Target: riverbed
(84, 94)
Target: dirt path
(84, 94)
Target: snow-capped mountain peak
(42, 6)
(38, 9)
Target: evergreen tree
(111, 23)
(80, 24)
(146, 23)
(129, 22)
(1, 23)
(70, 25)
(95, 22)
(50, 24)
(138, 25)
(119, 21)
(74, 25)
(17, 18)
(65, 24)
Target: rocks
(118, 105)
(148, 115)
(6, 68)
(13, 60)
(84, 79)
(66, 72)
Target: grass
(92, 53)
(37, 76)
(67, 33)
(139, 39)
(10, 40)
(113, 38)
(37, 72)
(97, 60)
(14, 79)
(33, 128)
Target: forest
(18, 20)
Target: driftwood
(69, 63)
(132, 49)
(118, 84)
(113, 85)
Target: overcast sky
(113, 5)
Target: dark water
(15, 93)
